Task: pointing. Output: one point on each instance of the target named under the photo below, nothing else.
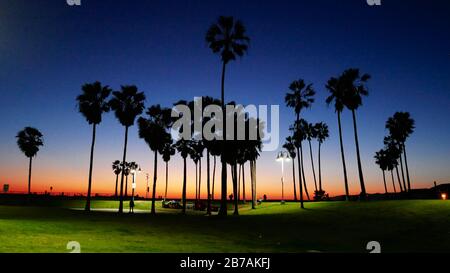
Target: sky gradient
(48, 50)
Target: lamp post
(281, 157)
(147, 189)
(133, 186)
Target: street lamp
(133, 186)
(281, 157)
(147, 190)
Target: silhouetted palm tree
(130, 168)
(401, 126)
(322, 134)
(227, 38)
(289, 145)
(92, 103)
(29, 140)
(127, 105)
(117, 169)
(382, 162)
(394, 153)
(167, 152)
(299, 135)
(337, 96)
(154, 131)
(299, 97)
(355, 88)
(184, 148)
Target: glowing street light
(444, 196)
(281, 157)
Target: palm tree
(355, 88)
(167, 152)
(253, 148)
(322, 134)
(289, 145)
(29, 140)
(92, 103)
(130, 168)
(184, 148)
(154, 131)
(299, 134)
(193, 154)
(127, 105)
(117, 169)
(334, 86)
(310, 134)
(227, 38)
(394, 153)
(300, 96)
(381, 161)
(401, 126)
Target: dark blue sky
(48, 50)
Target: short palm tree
(29, 140)
(401, 126)
(228, 39)
(92, 103)
(300, 96)
(117, 169)
(299, 135)
(336, 97)
(127, 104)
(382, 162)
(322, 133)
(167, 152)
(184, 148)
(355, 88)
(395, 152)
(154, 130)
(289, 145)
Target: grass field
(400, 226)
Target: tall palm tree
(29, 140)
(395, 152)
(228, 39)
(355, 88)
(310, 134)
(299, 134)
(322, 134)
(337, 96)
(401, 126)
(92, 103)
(198, 147)
(289, 145)
(193, 154)
(167, 152)
(300, 96)
(154, 130)
(381, 161)
(128, 103)
(117, 169)
(184, 148)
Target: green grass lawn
(400, 226)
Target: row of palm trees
(400, 127)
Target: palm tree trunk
(303, 172)
(312, 164)
(123, 168)
(29, 175)
(320, 171)
(167, 180)
(252, 178)
(300, 178)
(293, 179)
(398, 179)
(239, 182)
(393, 182)
(126, 185)
(184, 186)
(347, 195)
(155, 173)
(213, 179)
(200, 179)
(406, 167)
(208, 186)
(196, 182)
(223, 201)
(235, 189)
(88, 197)
(117, 181)
(384, 180)
(243, 182)
(360, 172)
(403, 174)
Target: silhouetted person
(231, 197)
(265, 197)
(131, 205)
